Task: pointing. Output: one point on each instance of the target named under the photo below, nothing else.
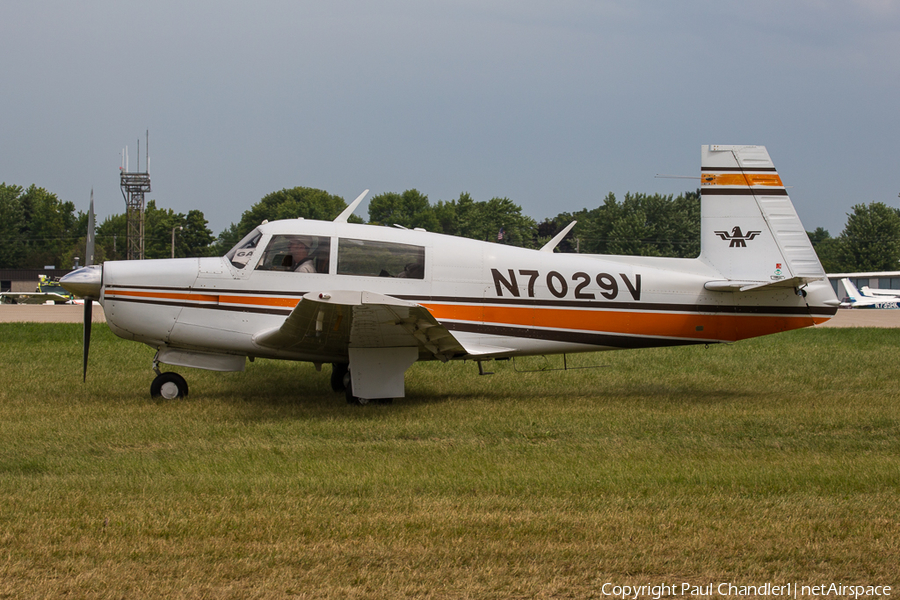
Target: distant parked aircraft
(868, 298)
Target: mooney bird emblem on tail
(737, 238)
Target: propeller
(88, 302)
(86, 338)
(86, 283)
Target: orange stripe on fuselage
(684, 325)
(177, 296)
(698, 326)
(747, 179)
(268, 301)
(260, 301)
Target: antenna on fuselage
(549, 246)
(342, 218)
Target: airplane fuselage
(511, 301)
(372, 300)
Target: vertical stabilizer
(749, 230)
(852, 293)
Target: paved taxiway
(45, 313)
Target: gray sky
(551, 104)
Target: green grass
(775, 459)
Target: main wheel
(338, 371)
(169, 386)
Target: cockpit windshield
(243, 251)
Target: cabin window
(297, 253)
(243, 251)
(380, 259)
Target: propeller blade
(89, 246)
(88, 309)
(88, 284)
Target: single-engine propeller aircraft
(868, 298)
(373, 300)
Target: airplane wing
(328, 323)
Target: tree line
(38, 229)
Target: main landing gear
(342, 381)
(167, 385)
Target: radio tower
(134, 185)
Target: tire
(169, 386)
(338, 370)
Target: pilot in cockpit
(302, 261)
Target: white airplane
(868, 298)
(373, 300)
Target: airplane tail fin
(852, 292)
(749, 229)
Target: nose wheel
(169, 386)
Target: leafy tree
(549, 227)
(49, 227)
(196, 238)
(596, 226)
(294, 203)
(36, 228)
(110, 239)
(410, 209)
(77, 247)
(193, 239)
(871, 239)
(445, 213)
(227, 239)
(463, 217)
(827, 248)
(643, 225)
(12, 225)
(485, 220)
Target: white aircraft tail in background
(866, 298)
(373, 300)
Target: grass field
(771, 460)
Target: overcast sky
(551, 104)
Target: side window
(380, 259)
(297, 253)
(243, 251)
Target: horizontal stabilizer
(732, 285)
